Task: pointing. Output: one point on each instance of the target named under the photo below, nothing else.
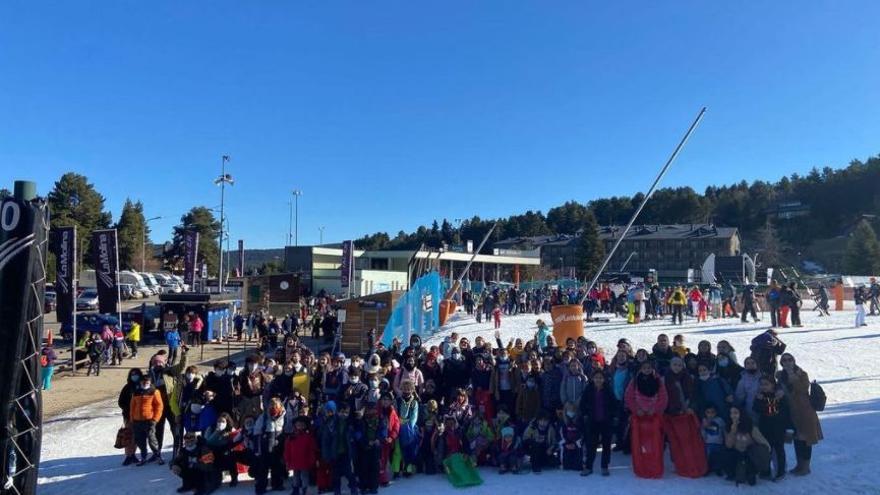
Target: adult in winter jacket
(573, 383)
(124, 403)
(679, 387)
(598, 409)
(269, 448)
(145, 410)
(677, 301)
(748, 299)
(747, 387)
(662, 353)
(765, 348)
(712, 391)
(807, 430)
(771, 409)
(195, 464)
(646, 393)
(551, 380)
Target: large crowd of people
(290, 417)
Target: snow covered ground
(78, 453)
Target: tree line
(839, 200)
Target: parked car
(88, 300)
(151, 283)
(49, 301)
(127, 291)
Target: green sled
(460, 471)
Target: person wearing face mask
(219, 437)
(712, 390)
(124, 402)
(268, 453)
(728, 370)
(389, 416)
(747, 387)
(807, 431)
(646, 399)
(573, 383)
(681, 425)
(528, 400)
(357, 389)
(146, 410)
(598, 408)
(408, 413)
(481, 381)
(410, 373)
(250, 386)
(194, 463)
(571, 434)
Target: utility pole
(222, 181)
(144, 243)
(296, 194)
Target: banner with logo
(241, 257)
(345, 267)
(105, 257)
(65, 268)
(190, 255)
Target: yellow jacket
(134, 334)
(677, 297)
(302, 381)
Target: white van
(135, 279)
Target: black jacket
(588, 399)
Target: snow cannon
(568, 322)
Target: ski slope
(78, 453)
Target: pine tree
(591, 249)
(5, 193)
(133, 232)
(770, 246)
(202, 220)
(863, 251)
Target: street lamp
(296, 194)
(222, 181)
(144, 243)
(321, 230)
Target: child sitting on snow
(480, 437)
(540, 443)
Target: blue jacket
(621, 380)
(713, 392)
(172, 338)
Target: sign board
(340, 315)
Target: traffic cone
(49, 338)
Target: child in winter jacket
(571, 431)
(712, 430)
(480, 437)
(540, 443)
(300, 454)
(509, 457)
(496, 315)
(370, 433)
(528, 400)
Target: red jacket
(300, 452)
(635, 401)
(393, 424)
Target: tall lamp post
(222, 181)
(144, 243)
(296, 194)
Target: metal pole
(321, 230)
(73, 287)
(296, 195)
(222, 204)
(289, 222)
(644, 201)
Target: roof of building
(637, 232)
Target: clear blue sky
(391, 114)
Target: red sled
(686, 445)
(647, 446)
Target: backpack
(817, 396)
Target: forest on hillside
(837, 199)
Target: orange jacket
(146, 405)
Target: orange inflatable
(447, 308)
(568, 322)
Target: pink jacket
(636, 402)
(197, 325)
(414, 376)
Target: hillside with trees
(834, 200)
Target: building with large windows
(672, 250)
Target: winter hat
(507, 431)
(373, 365)
(330, 407)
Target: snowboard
(686, 445)
(460, 472)
(647, 445)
